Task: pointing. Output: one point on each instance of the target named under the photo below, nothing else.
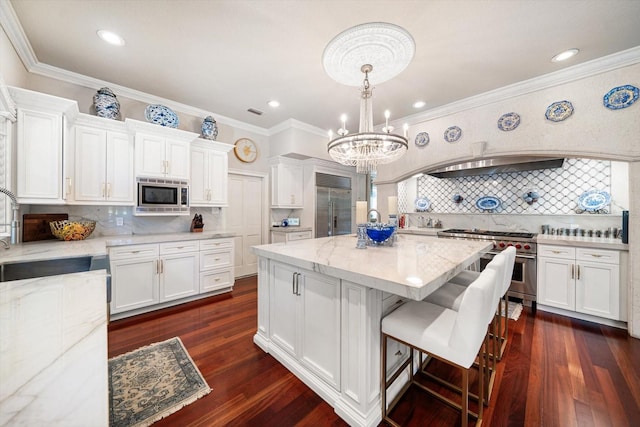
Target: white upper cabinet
(103, 164)
(287, 185)
(209, 173)
(41, 123)
(161, 152)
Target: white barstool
(450, 295)
(454, 337)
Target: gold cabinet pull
(578, 276)
(573, 271)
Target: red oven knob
(527, 247)
(502, 245)
(494, 245)
(510, 244)
(518, 246)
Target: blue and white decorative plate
(161, 115)
(508, 121)
(488, 203)
(593, 200)
(620, 97)
(422, 139)
(559, 111)
(422, 204)
(452, 134)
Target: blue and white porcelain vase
(209, 128)
(106, 104)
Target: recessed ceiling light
(419, 104)
(562, 56)
(273, 103)
(110, 37)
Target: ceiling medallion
(387, 47)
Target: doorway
(245, 219)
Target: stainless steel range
(524, 279)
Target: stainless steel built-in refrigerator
(333, 205)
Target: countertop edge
(583, 242)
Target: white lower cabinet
(151, 276)
(283, 236)
(397, 353)
(305, 319)
(583, 280)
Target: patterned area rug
(152, 383)
(515, 309)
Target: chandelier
(389, 48)
(367, 149)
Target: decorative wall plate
(593, 200)
(161, 115)
(620, 97)
(422, 204)
(508, 121)
(245, 150)
(422, 139)
(488, 203)
(452, 134)
(559, 111)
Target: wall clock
(245, 150)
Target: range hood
(495, 166)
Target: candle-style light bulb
(330, 134)
(387, 114)
(406, 130)
(344, 121)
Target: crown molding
(8, 107)
(591, 68)
(11, 25)
(296, 124)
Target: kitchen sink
(54, 267)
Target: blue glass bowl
(380, 233)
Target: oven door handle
(526, 256)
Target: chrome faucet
(376, 211)
(15, 224)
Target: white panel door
(120, 178)
(556, 283)
(91, 149)
(245, 219)
(598, 289)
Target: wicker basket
(72, 230)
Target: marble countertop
(290, 229)
(53, 351)
(413, 268)
(420, 230)
(93, 246)
(584, 242)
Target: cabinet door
(277, 237)
(39, 156)
(216, 279)
(134, 283)
(319, 324)
(598, 289)
(90, 164)
(283, 307)
(218, 178)
(177, 157)
(287, 186)
(179, 276)
(556, 284)
(199, 185)
(119, 168)
(150, 155)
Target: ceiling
(225, 56)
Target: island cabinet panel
(305, 319)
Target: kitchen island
(320, 302)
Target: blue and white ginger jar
(106, 104)
(209, 128)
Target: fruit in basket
(72, 230)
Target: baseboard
(582, 316)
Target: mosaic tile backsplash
(558, 189)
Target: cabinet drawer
(210, 260)
(299, 236)
(179, 247)
(598, 255)
(215, 244)
(563, 252)
(123, 252)
(215, 280)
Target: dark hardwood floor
(557, 371)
